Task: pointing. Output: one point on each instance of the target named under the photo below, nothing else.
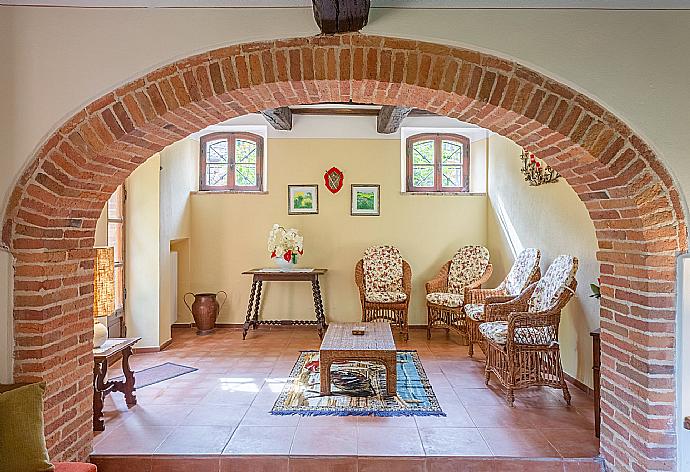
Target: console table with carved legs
(259, 276)
(113, 350)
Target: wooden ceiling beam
(341, 16)
(390, 118)
(279, 118)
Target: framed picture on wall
(303, 199)
(365, 200)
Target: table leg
(247, 320)
(257, 305)
(100, 370)
(392, 376)
(128, 388)
(318, 306)
(325, 375)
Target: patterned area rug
(356, 390)
(158, 373)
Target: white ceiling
(457, 4)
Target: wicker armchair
(384, 280)
(521, 335)
(469, 268)
(525, 271)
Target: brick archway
(50, 219)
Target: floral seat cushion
(449, 300)
(383, 269)
(467, 266)
(558, 278)
(524, 267)
(475, 311)
(497, 331)
(385, 297)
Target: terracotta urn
(205, 310)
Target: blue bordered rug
(357, 389)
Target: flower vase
(281, 263)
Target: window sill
(447, 194)
(239, 192)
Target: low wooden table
(113, 350)
(259, 276)
(375, 345)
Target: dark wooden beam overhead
(390, 118)
(341, 16)
(279, 118)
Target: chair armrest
(478, 283)
(501, 311)
(540, 328)
(499, 299)
(359, 278)
(407, 279)
(440, 282)
(479, 295)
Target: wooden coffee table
(376, 345)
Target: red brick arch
(50, 220)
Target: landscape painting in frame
(303, 199)
(365, 200)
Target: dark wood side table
(113, 350)
(596, 363)
(259, 276)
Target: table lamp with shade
(103, 292)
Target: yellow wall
(552, 218)
(230, 230)
(178, 177)
(101, 237)
(142, 263)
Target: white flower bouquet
(285, 243)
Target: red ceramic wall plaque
(333, 179)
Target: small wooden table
(259, 276)
(376, 344)
(109, 353)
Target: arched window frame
(438, 187)
(231, 138)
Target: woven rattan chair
(469, 268)
(521, 335)
(384, 280)
(525, 271)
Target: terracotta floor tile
(252, 440)
(456, 417)
(455, 464)
(260, 415)
(185, 464)
(157, 415)
(323, 464)
(228, 416)
(122, 464)
(454, 442)
(517, 442)
(471, 397)
(133, 439)
(572, 442)
(499, 417)
(387, 421)
(391, 464)
(326, 441)
(558, 418)
(254, 464)
(195, 440)
(239, 382)
(376, 441)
